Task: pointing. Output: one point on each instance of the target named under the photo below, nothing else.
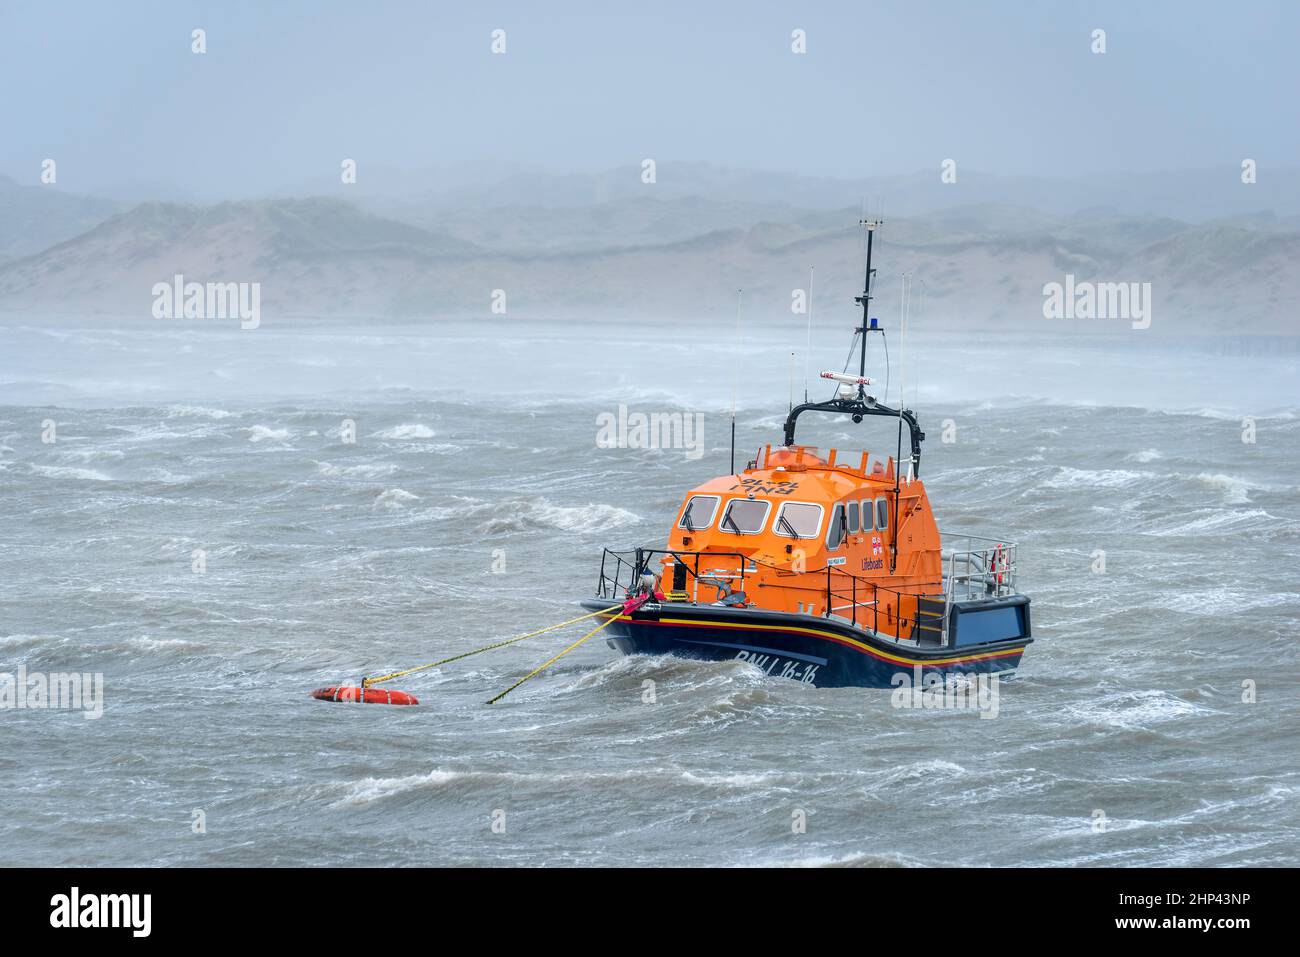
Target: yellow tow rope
(540, 668)
(368, 682)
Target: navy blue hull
(823, 652)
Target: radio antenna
(791, 406)
(807, 356)
(734, 367)
(916, 386)
(905, 306)
(898, 454)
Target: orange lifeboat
(823, 567)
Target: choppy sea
(181, 513)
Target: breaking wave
(395, 498)
(515, 516)
(1144, 455)
(409, 431)
(67, 472)
(260, 433)
(373, 470)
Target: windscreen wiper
(786, 522)
(727, 519)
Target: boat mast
(862, 404)
(865, 301)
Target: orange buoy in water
(353, 693)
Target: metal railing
(860, 601)
(900, 609)
(636, 561)
(982, 568)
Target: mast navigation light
(847, 379)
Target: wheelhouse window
(744, 516)
(798, 520)
(835, 533)
(882, 514)
(868, 515)
(698, 512)
(852, 511)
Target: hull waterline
(824, 652)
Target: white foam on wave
(260, 433)
(88, 455)
(1144, 455)
(853, 859)
(928, 770)
(1235, 491)
(761, 780)
(372, 789)
(571, 518)
(145, 643)
(413, 430)
(395, 498)
(22, 640)
(375, 789)
(1214, 520)
(67, 472)
(197, 411)
(168, 477)
(1068, 478)
(149, 432)
(371, 470)
(1216, 602)
(518, 515)
(1135, 710)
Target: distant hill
(36, 217)
(313, 256)
(647, 258)
(1195, 195)
(645, 220)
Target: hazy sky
(287, 90)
